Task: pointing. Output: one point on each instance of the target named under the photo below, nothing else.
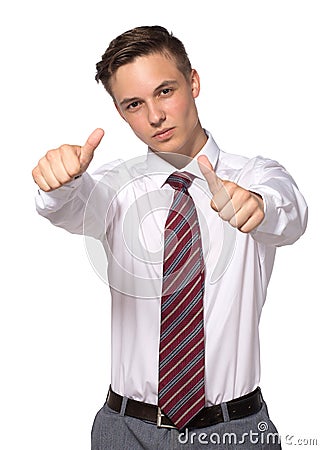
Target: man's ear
(195, 83)
(119, 111)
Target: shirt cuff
(52, 199)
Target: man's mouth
(166, 133)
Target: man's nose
(156, 115)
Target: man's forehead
(145, 73)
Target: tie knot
(179, 180)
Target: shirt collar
(159, 170)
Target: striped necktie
(181, 358)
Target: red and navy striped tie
(181, 359)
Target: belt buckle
(159, 420)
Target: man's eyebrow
(128, 100)
(161, 86)
(166, 83)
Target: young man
(190, 234)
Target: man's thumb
(214, 182)
(87, 150)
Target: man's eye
(133, 105)
(166, 91)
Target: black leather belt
(237, 409)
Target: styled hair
(141, 41)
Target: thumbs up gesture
(241, 208)
(61, 165)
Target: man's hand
(61, 165)
(241, 208)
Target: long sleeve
(285, 208)
(68, 206)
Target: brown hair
(141, 41)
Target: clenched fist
(61, 165)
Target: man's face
(158, 103)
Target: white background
(259, 63)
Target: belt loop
(226, 415)
(261, 396)
(123, 406)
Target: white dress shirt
(124, 205)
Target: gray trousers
(114, 431)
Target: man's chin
(169, 146)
